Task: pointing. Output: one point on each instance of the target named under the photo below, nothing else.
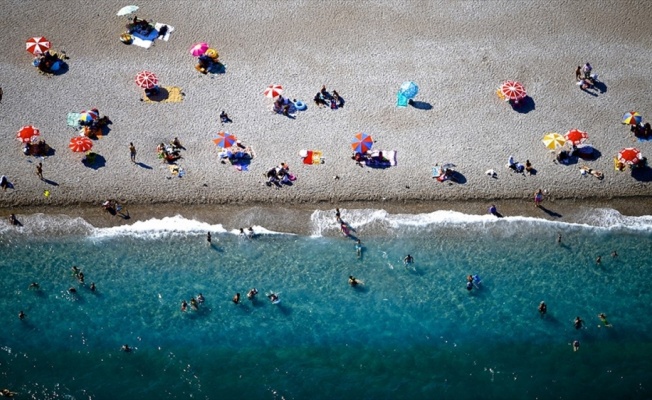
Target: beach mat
(167, 94)
(390, 159)
(72, 119)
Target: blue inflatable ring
(300, 105)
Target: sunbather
(587, 170)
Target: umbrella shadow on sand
(160, 95)
(96, 162)
(524, 106)
(642, 174)
(420, 105)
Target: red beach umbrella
(26, 134)
(630, 156)
(362, 143)
(273, 91)
(576, 136)
(146, 80)
(513, 90)
(80, 144)
(37, 45)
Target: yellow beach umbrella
(553, 140)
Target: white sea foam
(323, 221)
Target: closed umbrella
(553, 140)
(27, 134)
(273, 91)
(630, 156)
(575, 136)
(37, 45)
(199, 49)
(225, 140)
(80, 144)
(362, 143)
(409, 90)
(146, 80)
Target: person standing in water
(543, 308)
(578, 323)
(408, 259)
(208, 237)
(236, 298)
(358, 248)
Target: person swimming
(125, 348)
(236, 298)
(603, 319)
(543, 308)
(273, 297)
(576, 345)
(200, 298)
(469, 286)
(578, 323)
(93, 286)
(184, 305)
(194, 304)
(80, 277)
(408, 259)
(34, 286)
(353, 281)
(72, 290)
(21, 315)
(75, 270)
(251, 294)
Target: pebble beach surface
(458, 53)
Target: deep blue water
(406, 333)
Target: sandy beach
(457, 52)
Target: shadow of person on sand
(550, 212)
(143, 165)
(50, 182)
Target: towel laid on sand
(313, 157)
(389, 159)
(166, 94)
(147, 41)
(158, 27)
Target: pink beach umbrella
(37, 45)
(273, 91)
(27, 134)
(630, 156)
(199, 49)
(575, 136)
(146, 80)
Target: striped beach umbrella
(27, 134)
(80, 144)
(362, 142)
(199, 49)
(553, 140)
(513, 90)
(273, 91)
(146, 80)
(37, 45)
(575, 136)
(632, 118)
(225, 140)
(630, 156)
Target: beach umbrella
(630, 156)
(80, 144)
(199, 49)
(273, 91)
(409, 90)
(37, 45)
(632, 118)
(362, 142)
(513, 90)
(575, 136)
(224, 140)
(127, 10)
(146, 80)
(27, 134)
(89, 116)
(553, 140)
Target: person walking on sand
(132, 152)
(538, 198)
(39, 171)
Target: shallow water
(412, 332)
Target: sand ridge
(458, 53)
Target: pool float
(300, 105)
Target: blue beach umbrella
(409, 89)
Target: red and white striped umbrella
(27, 134)
(630, 156)
(273, 91)
(37, 45)
(575, 136)
(80, 144)
(513, 90)
(146, 80)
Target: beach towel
(144, 41)
(158, 27)
(73, 119)
(436, 171)
(401, 101)
(167, 94)
(313, 157)
(389, 159)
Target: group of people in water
(578, 322)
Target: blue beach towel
(401, 101)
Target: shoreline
(295, 218)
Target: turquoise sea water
(407, 333)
